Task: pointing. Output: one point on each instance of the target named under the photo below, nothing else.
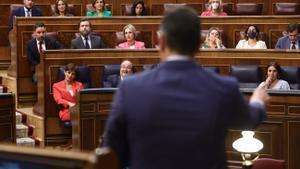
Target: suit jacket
(176, 116)
(284, 43)
(137, 45)
(112, 81)
(63, 96)
(33, 54)
(96, 43)
(20, 12)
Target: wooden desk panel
(7, 118)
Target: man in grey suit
(176, 116)
(291, 40)
(86, 39)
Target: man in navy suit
(177, 115)
(292, 40)
(27, 10)
(86, 40)
(38, 44)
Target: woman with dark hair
(214, 9)
(61, 8)
(65, 92)
(252, 39)
(273, 80)
(99, 6)
(138, 8)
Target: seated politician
(291, 40)
(38, 44)
(213, 40)
(115, 80)
(28, 10)
(86, 39)
(138, 8)
(99, 6)
(214, 9)
(273, 80)
(61, 8)
(252, 39)
(130, 34)
(65, 92)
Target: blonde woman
(213, 39)
(214, 9)
(129, 32)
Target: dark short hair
(38, 25)
(133, 13)
(257, 31)
(292, 27)
(276, 66)
(70, 67)
(83, 20)
(181, 28)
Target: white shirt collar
(177, 58)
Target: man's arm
(115, 135)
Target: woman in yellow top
(99, 6)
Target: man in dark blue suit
(291, 40)
(28, 10)
(177, 115)
(39, 43)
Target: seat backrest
(110, 69)
(120, 37)
(268, 163)
(249, 76)
(286, 8)
(292, 75)
(211, 69)
(248, 9)
(168, 7)
(83, 75)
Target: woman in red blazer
(129, 32)
(65, 91)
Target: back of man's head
(181, 29)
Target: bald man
(114, 81)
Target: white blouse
(243, 44)
(280, 85)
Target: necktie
(40, 46)
(28, 12)
(87, 46)
(293, 45)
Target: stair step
(18, 118)
(25, 141)
(21, 130)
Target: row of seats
(249, 76)
(287, 8)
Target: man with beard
(86, 40)
(28, 10)
(38, 44)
